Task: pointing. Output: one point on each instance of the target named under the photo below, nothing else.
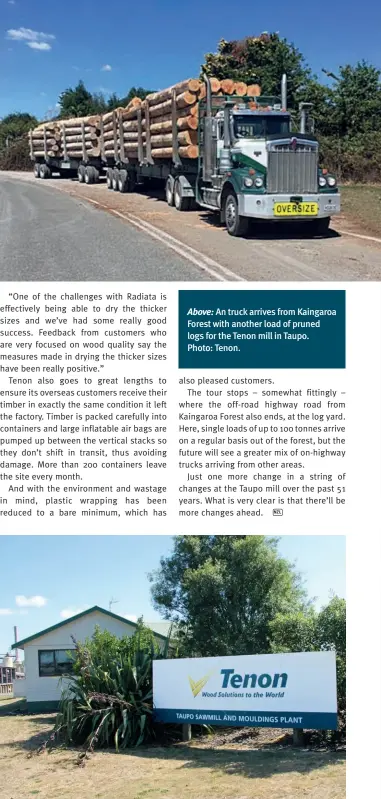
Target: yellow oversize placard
(296, 209)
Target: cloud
(106, 68)
(37, 40)
(6, 612)
(11, 2)
(39, 45)
(30, 601)
(66, 613)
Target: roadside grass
(361, 209)
(186, 771)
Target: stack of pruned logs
(127, 131)
(70, 138)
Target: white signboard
(283, 690)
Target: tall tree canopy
(223, 592)
(314, 631)
(357, 100)
(260, 59)
(14, 126)
(79, 102)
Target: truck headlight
(248, 182)
(331, 181)
(322, 181)
(259, 182)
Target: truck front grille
(292, 171)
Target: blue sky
(45, 578)
(155, 43)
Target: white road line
(359, 236)
(197, 258)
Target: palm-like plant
(107, 702)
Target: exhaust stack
(284, 92)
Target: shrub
(16, 157)
(108, 700)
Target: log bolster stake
(175, 147)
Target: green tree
(113, 102)
(261, 59)
(222, 592)
(14, 127)
(357, 99)
(135, 91)
(323, 106)
(78, 102)
(314, 631)
(104, 647)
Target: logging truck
(219, 145)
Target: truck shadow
(270, 231)
(263, 231)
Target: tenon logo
(198, 685)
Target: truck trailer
(228, 152)
(69, 147)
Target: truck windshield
(259, 126)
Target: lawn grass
(361, 209)
(178, 772)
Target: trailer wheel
(110, 174)
(123, 181)
(81, 174)
(45, 172)
(89, 176)
(115, 179)
(169, 191)
(181, 203)
(94, 173)
(236, 225)
(36, 171)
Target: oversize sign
(284, 690)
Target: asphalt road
(49, 231)
(48, 235)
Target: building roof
(20, 644)
(160, 627)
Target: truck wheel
(95, 174)
(45, 172)
(169, 191)
(88, 175)
(181, 203)
(36, 171)
(123, 182)
(319, 227)
(81, 174)
(110, 173)
(115, 179)
(236, 225)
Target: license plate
(296, 209)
